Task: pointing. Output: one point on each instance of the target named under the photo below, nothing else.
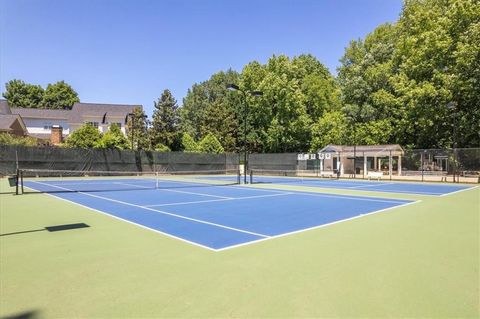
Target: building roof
(42, 113)
(4, 107)
(80, 113)
(369, 150)
(109, 112)
(7, 121)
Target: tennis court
(213, 216)
(363, 185)
(196, 242)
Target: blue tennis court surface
(374, 186)
(214, 217)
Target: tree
(210, 144)
(8, 139)
(466, 85)
(331, 128)
(208, 107)
(137, 130)
(296, 92)
(188, 143)
(165, 121)
(364, 76)
(373, 132)
(86, 136)
(406, 73)
(59, 95)
(113, 138)
(21, 94)
(162, 148)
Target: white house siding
(43, 126)
(102, 127)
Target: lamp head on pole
(126, 117)
(256, 93)
(233, 87)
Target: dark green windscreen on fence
(273, 161)
(57, 158)
(413, 162)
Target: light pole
(234, 87)
(453, 106)
(132, 116)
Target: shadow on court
(50, 229)
(24, 315)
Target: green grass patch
(420, 260)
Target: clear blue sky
(129, 51)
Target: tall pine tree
(165, 121)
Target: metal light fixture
(234, 87)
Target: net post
(16, 181)
(21, 181)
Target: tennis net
(55, 181)
(287, 176)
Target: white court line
(380, 184)
(352, 198)
(437, 194)
(175, 191)
(254, 188)
(192, 202)
(229, 247)
(415, 193)
(158, 211)
(388, 192)
(218, 200)
(314, 227)
(460, 190)
(126, 220)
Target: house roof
(369, 150)
(110, 112)
(42, 113)
(4, 107)
(8, 120)
(80, 113)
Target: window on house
(94, 124)
(47, 127)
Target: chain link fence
(441, 165)
(462, 164)
(417, 165)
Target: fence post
(390, 164)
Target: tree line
(406, 83)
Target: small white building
(362, 159)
